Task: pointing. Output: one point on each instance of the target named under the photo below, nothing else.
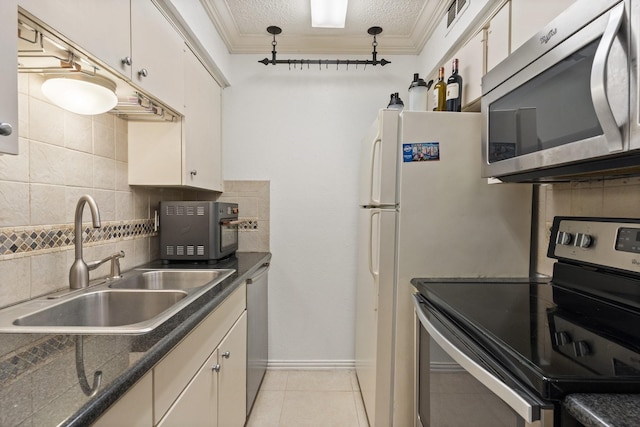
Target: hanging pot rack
(374, 31)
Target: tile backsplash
(617, 198)
(63, 156)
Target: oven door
(562, 98)
(228, 232)
(475, 392)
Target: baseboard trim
(310, 364)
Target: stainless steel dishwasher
(257, 341)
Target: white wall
(301, 130)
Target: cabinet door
(100, 28)
(471, 67)
(197, 405)
(498, 37)
(202, 147)
(232, 378)
(9, 77)
(157, 52)
(134, 409)
(528, 16)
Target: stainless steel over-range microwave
(565, 104)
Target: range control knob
(581, 348)
(583, 240)
(563, 238)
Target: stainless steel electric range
(506, 351)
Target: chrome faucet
(79, 272)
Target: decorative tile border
(39, 238)
(15, 364)
(248, 224)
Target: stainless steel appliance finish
(524, 344)
(198, 231)
(257, 332)
(559, 106)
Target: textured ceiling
(406, 25)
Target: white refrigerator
(424, 212)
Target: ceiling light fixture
(328, 13)
(374, 31)
(80, 93)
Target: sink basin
(104, 308)
(172, 279)
(137, 303)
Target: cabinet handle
(194, 172)
(143, 73)
(216, 368)
(5, 129)
(127, 60)
(226, 354)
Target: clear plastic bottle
(418, 94)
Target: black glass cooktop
(554, 338)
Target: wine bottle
(439, 92)
(454, 89)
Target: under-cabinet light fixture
(80, 93)
(328, 13)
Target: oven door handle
(599, 94)
(527, 409)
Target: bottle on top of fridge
(439, 92)
(454, 89)
(418, 94)
(395, 102)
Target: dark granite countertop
(604, 410)
(39, 383)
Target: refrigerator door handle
(375, 144)
(373, 272)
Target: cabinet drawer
(173, 373)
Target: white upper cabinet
(131, 37)
(470, 67)
(202, 127)
(100, 28)
(157, 52)
(497, 37)
(186, 153)
(529, 16)
(8, 77)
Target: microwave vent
(200, 250)
(180, 250)
(169, 250)
(200, 211)
(191, 250)
(190, 210)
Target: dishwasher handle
(259, 273)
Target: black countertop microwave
(565, 104)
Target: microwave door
(568, 105)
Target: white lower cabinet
(134, 409)
(200, 382)
(217, 394)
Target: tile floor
(322, 398)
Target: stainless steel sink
(104, 308)
(172, 279)
(137, 303)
